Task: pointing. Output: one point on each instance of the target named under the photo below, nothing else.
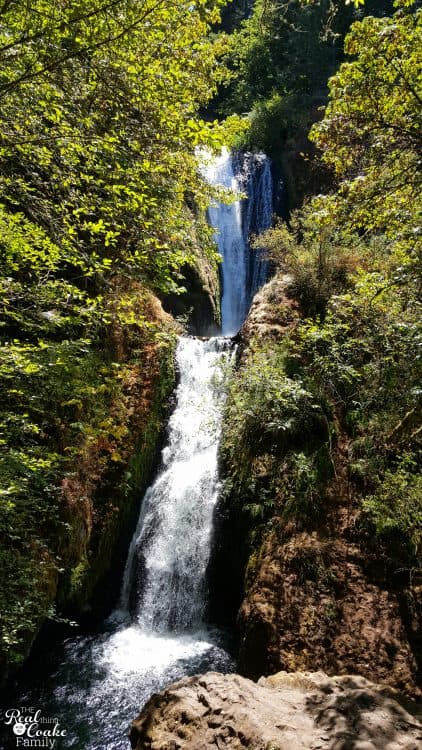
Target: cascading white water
(96, 684)
(158, 634)
(227, 220)
(170, 551)
(243, 270)
(256, 181)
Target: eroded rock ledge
(287, 711)
(311, 585)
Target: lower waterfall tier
(96, 684)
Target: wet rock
(273, 311)
(297, 711)
(199, 305)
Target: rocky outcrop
(106, 441)
(273, 312)
(310, 588)
(102, 493)
(199, 305)
(298, 711)
(311, 602)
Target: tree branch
(27, 76)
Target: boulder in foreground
(287, 711)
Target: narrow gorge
(210, 375)
(159, 632)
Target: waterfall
(97, 683)
(157, 635)
(243, 270)
(164, 582)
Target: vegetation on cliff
(101, 206)
(280, 58)
(322, 441)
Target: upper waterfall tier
(243, 270)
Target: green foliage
(371, 135)
(326, 504)
(52, 395)
(355, 263)
(320, 262)
(366, 354)
(275, 121)
(396, 507)
(267, 44)
(25, 597)
(353, 376)
(280, 58)
(304, 487)
(310, 565)
(102, 199)
(98, 131)
(353, 367)
(265, 406)
(269, 418)
(64, 417)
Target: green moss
(62, 514)
(276, 446)
(252, 567)
(77, 577)
(121, 490)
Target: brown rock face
(312, 588)
(272, 313)
(310, 605)
(298, 711)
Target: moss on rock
(311, 586)
(67, 529)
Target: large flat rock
(287, 711)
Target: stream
(93, 686)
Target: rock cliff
(102, 493)
(198, 307)
(310, 588)
(109, 450)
